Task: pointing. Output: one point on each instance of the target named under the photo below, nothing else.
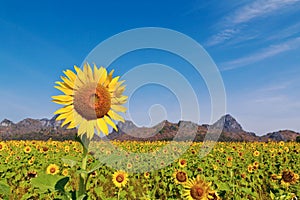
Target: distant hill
(43, 129)
(38, 129)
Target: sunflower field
(229, 171)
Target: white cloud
(286, 33)
(258, 8)
(263, 54)
(222, 36)
(233, 23)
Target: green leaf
(272, 195)
(60, 185)
(26, 196)
(224, 186)
(96, 165)
(82, 197)
(69, 160)
(46, 182)
(4, 189)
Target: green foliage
(225, 167)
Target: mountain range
(43, 129)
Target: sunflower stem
(83, 175)
(119, 193)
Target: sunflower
(288, 177)
(31, 174)
(281, 143)
(2, 146)
(129, 165)
(30, 161)
(250, 168)
(199, 190)
(256, 153)
(91, 100)
(182, 162)
(27, 149)
(44, 149)
(52, 169)
(180, 177)
(65, 172)
(120, 178)
(146, 175)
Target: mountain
(282, 135)
(6, 123)
(39, 129)
(227, 128)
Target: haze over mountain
(43, 129)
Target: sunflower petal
(72, 125)
(66, 91)
(81, 76)
(63, 116)
(68, 119)
(103, 75)
(120, 100)
(110, 75)
(62, 102)
(110, 122)
(62, 98)
(115, 116)
(102, 126)
(96, 74)
(77, 118)
(82, 127)
(77, 68)
(65, 109)
(88, 72)
(67, 81)
(90, 129)
(70, 74)
(113, 82)
(119, 108)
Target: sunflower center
(181, 176)
(197, 192)
(92, 101)
(120, 178)
(287, 176)
(52, 170)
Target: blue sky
(254, 43)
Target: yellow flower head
(288, 177)
(256, 153)
(27, 149)
(91, 100)
(199, 190)
(65, 172)
(2, 146)
(52, 169)
(281, 143)
(182, 162)
(120, 178)
(180, 177)
(146, 174)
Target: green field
(233, 170)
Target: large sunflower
(197, 189)
(91, 100)
(120, 178)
